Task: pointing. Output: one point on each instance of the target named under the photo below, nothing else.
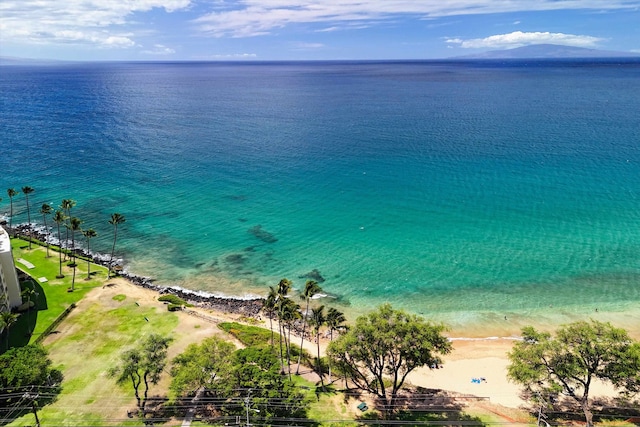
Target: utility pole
(34, 405)
(247, 403)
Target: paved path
(192, 411)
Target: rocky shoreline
(246, 307)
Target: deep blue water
(442, 187)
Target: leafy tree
(142, 366)
(59, 218)
(26, 190)
(384, 347)
(27, 366)
(45, 210)
(257, 382)
(335, 322)
(11, 192)
(89, 234)
(7, 319)
(202, 366)
(579, 353)
(116, 219)
(311, 288)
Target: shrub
(174, 299)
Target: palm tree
(90, 234)
(269, 307)
(115, 220)
(283, 289)
(311, 288)
(11, 193)
(45, 210)
(318, 320)
(335, 321)
(26, 190)
(7, 319)
(74, 225)
(66, 206)
(59, 218)
(290, 313)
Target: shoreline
(463, 326)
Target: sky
(257, 30)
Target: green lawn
(51, 297)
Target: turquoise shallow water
(466, 189)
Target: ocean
(469, 191)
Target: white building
(9, 284)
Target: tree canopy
(568, 363)
(142, 366)
(206, 365)
(28, 368)
(384, 346)
(258, 382)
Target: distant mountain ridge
(549, 51)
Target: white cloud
(308, 46)
(96, 22)
(103, 22)
(259, 17)
(519, 38)
(159, 49)
(231, 56)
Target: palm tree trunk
(288, 342)
(271, 328)
(304, 324)
(281, 333)
(60, 275)
(44, 218)
(113, 249)
(319, 365)
(88, 261)
(328, 358)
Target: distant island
(550, 51)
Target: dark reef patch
(236, 259)
(262, 234)
(313, 275)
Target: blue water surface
(481, 186)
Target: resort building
(9, 284)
